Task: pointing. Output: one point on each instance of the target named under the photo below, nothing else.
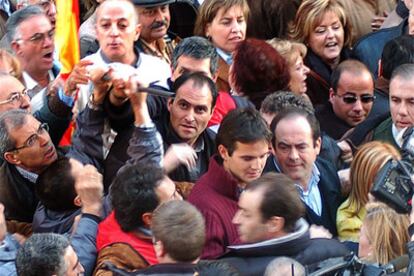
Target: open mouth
(331, 45)
(50, 152)
(48, 56)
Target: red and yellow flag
(67, 39)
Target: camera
(394, 182)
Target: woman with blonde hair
(384, 234)
(223, 22)
(324, 28)
(293, 53)
(369, 159)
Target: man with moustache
(154, 17)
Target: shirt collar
(313, 181)
(32, 177)
(31, 83)
(228, 58)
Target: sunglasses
(351, 99)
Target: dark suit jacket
(330, 189)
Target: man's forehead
(9, 85)
(115, 10)
(194, 93)
(35, 24)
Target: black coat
(254, 258)
(330, 189)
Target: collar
(31, 83)
(172, 137)
(228, 58)
(313, 181)
(108, 61)
(32, 177)
(145, 231)
(397, 134)
(301, 228)
(160, 49)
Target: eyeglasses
(351, 99)
(15, 97)
(34, 138)
(38, 38)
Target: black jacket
(252, 259)
(330, 189)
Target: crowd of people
(207, 137)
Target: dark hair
(271, 18)
(292, 113)
(199, 80)
(258, 70)
(180, 227)
(281, 100)
(17, 17)
(396, 52)
(244, 125)
(11, 119)
(208, 268)
(280, 198)
(133, 194)
(55, 186)
(196, 47)
(351, 66)
(42, 254)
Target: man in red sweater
(243, 146)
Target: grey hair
(42, 254)
(404, 71)
(196, 47)
(20, 16)
(15, 118)
(285, 266)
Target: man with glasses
(27, 150)
(351, 99)
(13, 95)
(32, 40)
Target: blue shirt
(312, 197)
(228, 58)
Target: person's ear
(331, 94)
(224, 154)
(169, 104)
(147, 219)
(15, 46)
(77, 201)
(318, 143)
(275, 224)
(159, 249)
(138, 29)
(12, 158)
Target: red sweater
(215, 194)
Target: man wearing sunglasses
(351, 99)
